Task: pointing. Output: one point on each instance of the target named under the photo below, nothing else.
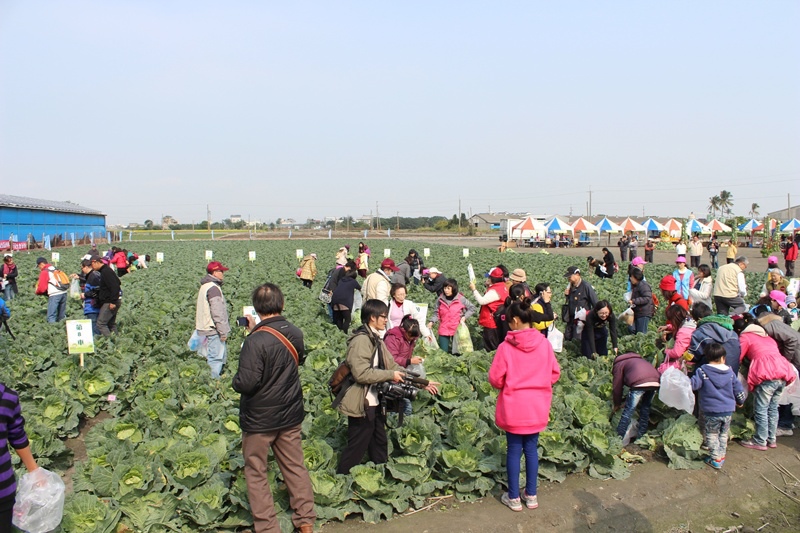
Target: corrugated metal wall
(22, 222)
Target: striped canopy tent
(773, 224)
(715, 225)
(629, 225)
(652, 224)
(526, 228)
(584, 226)
(556, 225)
(674, 227)
(606, 226)
(693, 226)
(750, 225)
(790, 226)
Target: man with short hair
(695, 252)
(108, 297)
(580, 295)
(435, 281)
(271, 412)
(378, 284)
(211, 317)
(730, 287)
(56, 297)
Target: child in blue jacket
(720, 393)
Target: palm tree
(725, 201)
(713, 204)
(754, 210)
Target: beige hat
(518, 275)
(434, 270)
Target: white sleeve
(742, 284)
(489, 297)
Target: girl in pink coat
(681, 326)
(524, 370)
(767, 376)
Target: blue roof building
(21, 216)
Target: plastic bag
(430, 344)
(195, 341)
(357, 303)
(75, 289)
(464, 340)
(676, 390)
(40, 501)
(632, 433)
(791, 393)
(626, 317)
(743, 382)
(419, 370)
(556, 339)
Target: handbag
(325, 296)
(565, 313)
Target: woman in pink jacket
(680, 326)
(524, 370)
(451, 310)
(767, 376)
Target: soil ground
(654, 499)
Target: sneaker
(512, 503)
(530, 501)
(781, 432)
(772, 444)
(714, 464)
(753, 445)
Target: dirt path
(654, 499)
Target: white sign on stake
(299, 254)
(387, 252)
(209, 255)
(55, 257)
(426, 252)
(251, 255)
(466, 252)
(159, 257)
(79, 337)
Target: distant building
(22, 216)
(493, 221)
(236, 218)
(167, 221)
(786, 214)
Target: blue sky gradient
(313, 109)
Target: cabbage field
(168, 458)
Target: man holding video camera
(371, 365)
(271, 412)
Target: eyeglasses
(383, 316)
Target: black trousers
(342, 319)
(6, 513)
(365, 434)
(491, 340)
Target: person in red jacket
(790, 256)
(672, 297)
(495, 295)
(524, 370)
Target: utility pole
(590, 201)
(208, 215)
(788, 206)
(459, 214)
(377, 217)
(398, 221)
(371, 219)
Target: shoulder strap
(281, 337)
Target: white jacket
(410, 308)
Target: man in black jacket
(271, 412)
(434, 281)
(108, 297)
(580, 295)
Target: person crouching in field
(720, 393)
(642, 380)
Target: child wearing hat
(684, 278)
(668, 290)
(791, 306)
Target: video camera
(408, 388)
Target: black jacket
(642, 298)
(109, 292)
(436, 285)
(269, 380)
(344, 292)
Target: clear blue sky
(312, 109)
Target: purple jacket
(632, 370)
(399, 347)
(12, 430)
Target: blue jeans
(93, 318)
(765, 409)
(640, 325)
(636, 397)
(714, 263)
(445, 343)
(716, 433)
(57, 307)
(9, 292)
(217, 355)
(517, 444)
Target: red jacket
(43, 285)
(677, 299)
(120, 260)
(486, 314)
(524, 370)
(790, 254)
(766, 361)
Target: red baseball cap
(213, 266)
(388, 263)
(667, 283)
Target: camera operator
(271, 412)
(370, 363)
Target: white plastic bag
(75, 289)
(556, 339)
(357, 303)
(419, 370)
(40, 501)
(791, 393)
(633, 431)
(195, 341)
(676, 390)
(743, 382)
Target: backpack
(60, 280)
(340, 381)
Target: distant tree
(725, 201)
(754, 210)
(272, 226)
(148, 224)
(713, 204)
